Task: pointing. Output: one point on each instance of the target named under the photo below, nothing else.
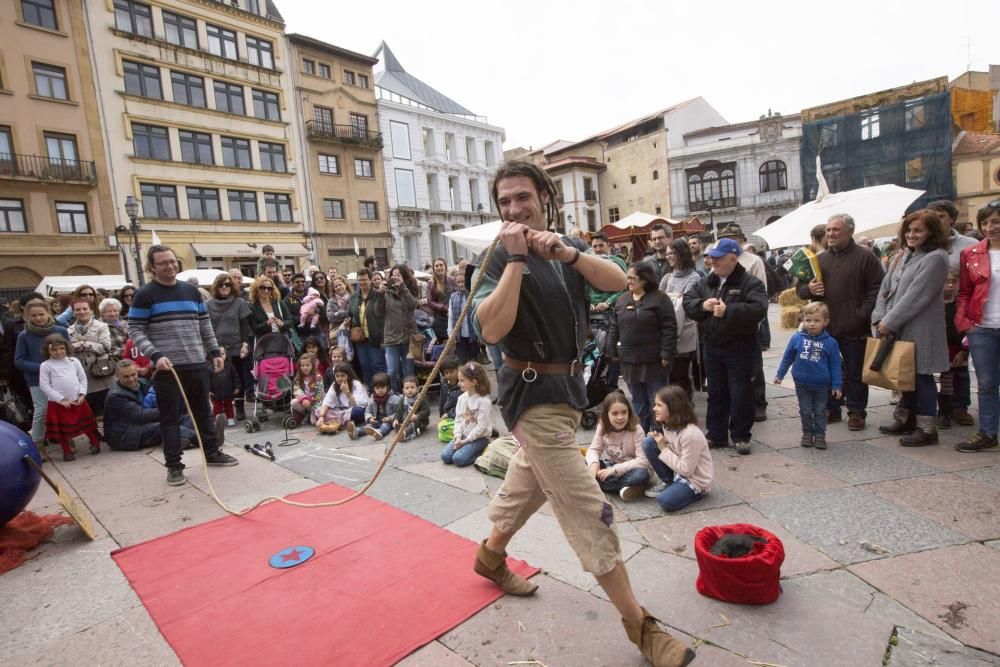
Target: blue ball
(18, 480)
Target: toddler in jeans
(814, 357)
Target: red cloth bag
(752, 579)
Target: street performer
(532, 302)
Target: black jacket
(258, 318)
(374, 314)
(746, 305)
(125, 418)
(643, 333)
(423, 416)
(449, 399)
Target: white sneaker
(630, 492)
(656, 490)
(230, 422)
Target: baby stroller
(273, 368)
(595, 377)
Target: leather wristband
(575, 258)
(517, 258)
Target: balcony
(39, 168)
(344, 134)
(713, 204)
(778, 198)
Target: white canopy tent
(52, 285)
(640, 219)
(476, 239)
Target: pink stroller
(273, 369)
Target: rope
(448, 348)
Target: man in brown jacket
(852, 276)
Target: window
(329, 164)
(449, 146)
(265, 105)
(272, 157)
(324, 71)
(150, 141)
(278, 207)
(363, 168)
(589, 193)
(869, 123)
(773, 176)
(196, 147)
(348, 77)
(491, 159)
(242, 205)
(400, 133)
(134, 17)
(363, 80)
(476, 204)
(470, 149)
(203, 204)
(180, 30)
(260, 52)
(7, 163)
(592, 218)
(158, 201)
(72, 217)
(453, 192)
(61, 148)
(915, 170)
(39, 12)
(656, 175)
(229, 98)
(12, 216)
(613, 214)
(712, 186)
(221, 42)
(142, 80)
(914, 115)
(308, 66)
(188, 89)
(369, 210)
(236, 153)
(324, 118)
(632, 179)
(50, 81)
(406, 193)
(359, 126)
(333, 208)
(428, 135)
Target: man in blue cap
(728, 305)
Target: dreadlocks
(543, 185)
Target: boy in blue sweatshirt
(814, 357)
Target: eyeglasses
(267, 287)
(224, 285)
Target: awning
(246, 250)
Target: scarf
(381, 400)
(43, 330)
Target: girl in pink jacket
(615, 456)
(677, 451)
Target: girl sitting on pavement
(615, 455)
(382, 407)
(307, 390)
(64, 382)
(311, 345)
(677, 451)
(473, 417)
(345, 403)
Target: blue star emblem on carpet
(291, 557)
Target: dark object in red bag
(752, 579)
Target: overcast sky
(547, 70)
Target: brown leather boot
(904, 422)
(925, 434)
(493, 566)
(656, 644)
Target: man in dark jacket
(728, 305)
(294, 299)
(128, 426)
(852, 276)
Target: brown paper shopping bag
(898, 370)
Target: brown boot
(493, 566)
(925, 434)
(903, 422)
(656, 644)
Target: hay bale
(790, 317)
(790, 298)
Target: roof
(311, 42)
(575, 161)
(721, 129)
(976, 143)
(397, 80)
(272, 12)
(625, 126)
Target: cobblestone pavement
(887, 549)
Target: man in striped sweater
(169, 324)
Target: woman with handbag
(398, 305)
(367, 325)
(977, 316)
(110, 310)
(910, 307)
(230, 318)
(91, 341)
(268, 313)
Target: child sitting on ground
(64, 382)
(450, 391)
(382, 407)
(473, 417)
(615, 454)
(307, 391)
(345, 403)
(814, 357)
(677, 451)
(423, 415)
(311, 345)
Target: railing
(713, 204)
(15, 165)
(316, 129)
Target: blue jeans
(372, 361)
(852, 353)
(464, 455)
(812, 408)
(984, 347)
(923, 400)
(496, 355)
(615, 483)
(40, 402)
(382, 428)
(398, 364)
(677, 495)
(729, 369)
(962, 398)
(643, 395)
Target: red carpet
(381, 584)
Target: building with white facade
(439, 160)
(747, 173)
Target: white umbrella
(870, 207)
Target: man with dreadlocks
(532, 302)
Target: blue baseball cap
(724, 247)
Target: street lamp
(132, 209)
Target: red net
(23, 533)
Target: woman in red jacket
(977, 315)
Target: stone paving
(892, 554)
